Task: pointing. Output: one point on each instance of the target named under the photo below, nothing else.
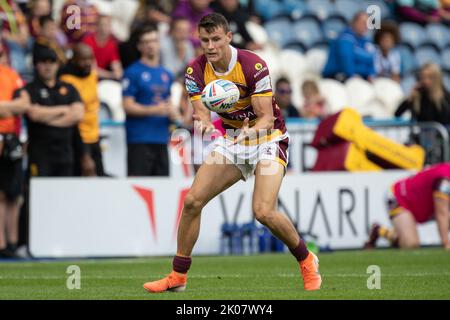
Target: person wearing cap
(52, 119)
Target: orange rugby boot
(175, 282)
(310, 272)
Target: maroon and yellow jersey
(249, 73)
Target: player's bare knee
(192, 204)
(264, 214)
(409, 244)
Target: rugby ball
(220, 95)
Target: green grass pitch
(418, 274)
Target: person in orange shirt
(11, 175)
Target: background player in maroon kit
(266, 157)
(415, 200)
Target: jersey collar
(231, 65)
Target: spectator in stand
(14, 31)
(154, 12)
(444, 11)
(80, 73)
(176, 49)
(11, 175)
(351, 54)
(314, 105)
(419, 11)
(105, 48)
(89, 16)
(50, 36)
(128, 51)
(146, 100)
(237, 17)
(387, 59)
(283, 97)
(56, 109)
(193, 10)
(428, 101)
(38, 9)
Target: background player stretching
(414, 200)
(255, 111)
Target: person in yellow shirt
(80, 73)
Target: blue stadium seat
(413, 34)
(407, 83)
(322, 9)
(426, 54)
(332, 27)
(409, 63)
(307, 31)
(279, 31)
(296, 46)
(447, 81)
(348, 8)
(268, 9)
(294, 8)
(439, 34)
(445, 57)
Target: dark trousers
(147, 160)
(94, 150)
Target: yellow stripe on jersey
(266, 94)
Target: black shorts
(11, 178)
(147, 160)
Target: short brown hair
(212, 21)
(387, 27)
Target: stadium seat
(413, 34)
(278, 31)
(268, 9)
(375, 109)
(316, 60)
(110, 93)
(322, 9)
(307, 31)
(124, 13)
(389, 92)
(296, 46)
(360, 92)
(407, 83)
(408, 60)
(271, 56)
(348, 8)
(335, 94)
(427, 53)
(447, 81)
(439, 34)
(332, 27)
(445, 57)
(257, 32)
(295, 8)
(292, 64)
